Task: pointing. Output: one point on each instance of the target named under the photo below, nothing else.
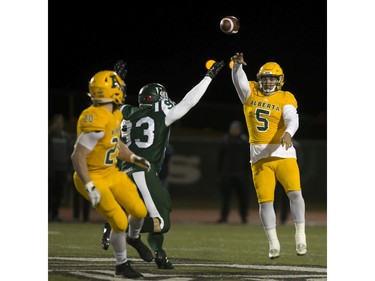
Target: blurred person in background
(80, 206)
(234, 171)
(60, 146)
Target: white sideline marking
(239, 266)
(178, 277)
(270, 267)
(110, 278)
(86, 259)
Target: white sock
(268, 218)
(300, 233)
(119, 246)
(135, 226)
(273, 241)
(297, 208)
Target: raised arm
(193, 96)
(239, 77)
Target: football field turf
(198, 251)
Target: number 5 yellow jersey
(100, 119)
(264, 118)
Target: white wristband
(89, 185)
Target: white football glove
(93, 193)
(140, 162)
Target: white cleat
(274, 254)
(301, 249)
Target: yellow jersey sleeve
(290, 99)
(263, 115)
(91, 119)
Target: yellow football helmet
(274, 70)
(107, 86)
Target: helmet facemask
(151, 93)
(269, 84)
(270, 78)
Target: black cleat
(162, 261)
(105, 237)
(143, 251)
(125, 270)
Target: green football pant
(158, 204)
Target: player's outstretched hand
(238, 58)
(140, 162)
(215, 68)
(120, 69)
(93, 193)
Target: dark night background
(169, 43)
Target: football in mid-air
(229, 25)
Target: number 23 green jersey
(144, 131)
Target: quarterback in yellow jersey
(272, 120)
(96, 175)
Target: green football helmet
(152, 93)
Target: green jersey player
(146, 129)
